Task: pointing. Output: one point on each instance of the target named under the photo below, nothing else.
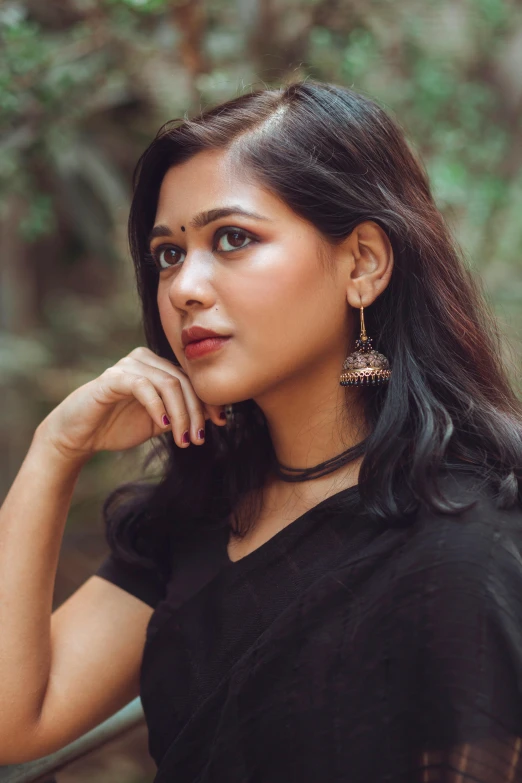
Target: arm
(32, 520)
(59, 675)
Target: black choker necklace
(305, 474)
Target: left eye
(235, 233)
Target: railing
(42, 770)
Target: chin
(209, 391)
(226, 382)
(219, 393)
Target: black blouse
(340, 650)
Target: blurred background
(84, 86)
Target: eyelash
(154, 256)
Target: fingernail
(201, 434)
(165, 420)
(186, 437)
(222, 415)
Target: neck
(314, 420)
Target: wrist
(56, 453)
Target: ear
(369, 262)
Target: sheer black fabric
(341, 650)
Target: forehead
(212, 179)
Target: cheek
(289, 288)
(281, 279)
(161, 301)
(167, 315)
(286, 310)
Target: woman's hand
(126, 405)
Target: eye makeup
(153, 257)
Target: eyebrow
(204, 218)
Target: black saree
(341, 650)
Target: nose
(193, 282)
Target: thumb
(215, 413)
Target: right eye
(164, 256)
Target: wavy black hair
(336, 158)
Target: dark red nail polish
(186, 438)
(201, 434)
(165, 420)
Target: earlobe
(372, 264)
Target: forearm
(32, 521)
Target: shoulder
(474, 555)
(476, 531)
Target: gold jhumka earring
(365, 367)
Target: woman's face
(258, 279)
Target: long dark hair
(336, 158)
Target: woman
(325, 584)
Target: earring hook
(363, 328)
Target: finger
(145, 392)
(216, 413)
(169, 391)
(187, 410)
(184, 409)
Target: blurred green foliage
(84, 85)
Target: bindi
(183, 228)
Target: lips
(198, 348)
(198, 333)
